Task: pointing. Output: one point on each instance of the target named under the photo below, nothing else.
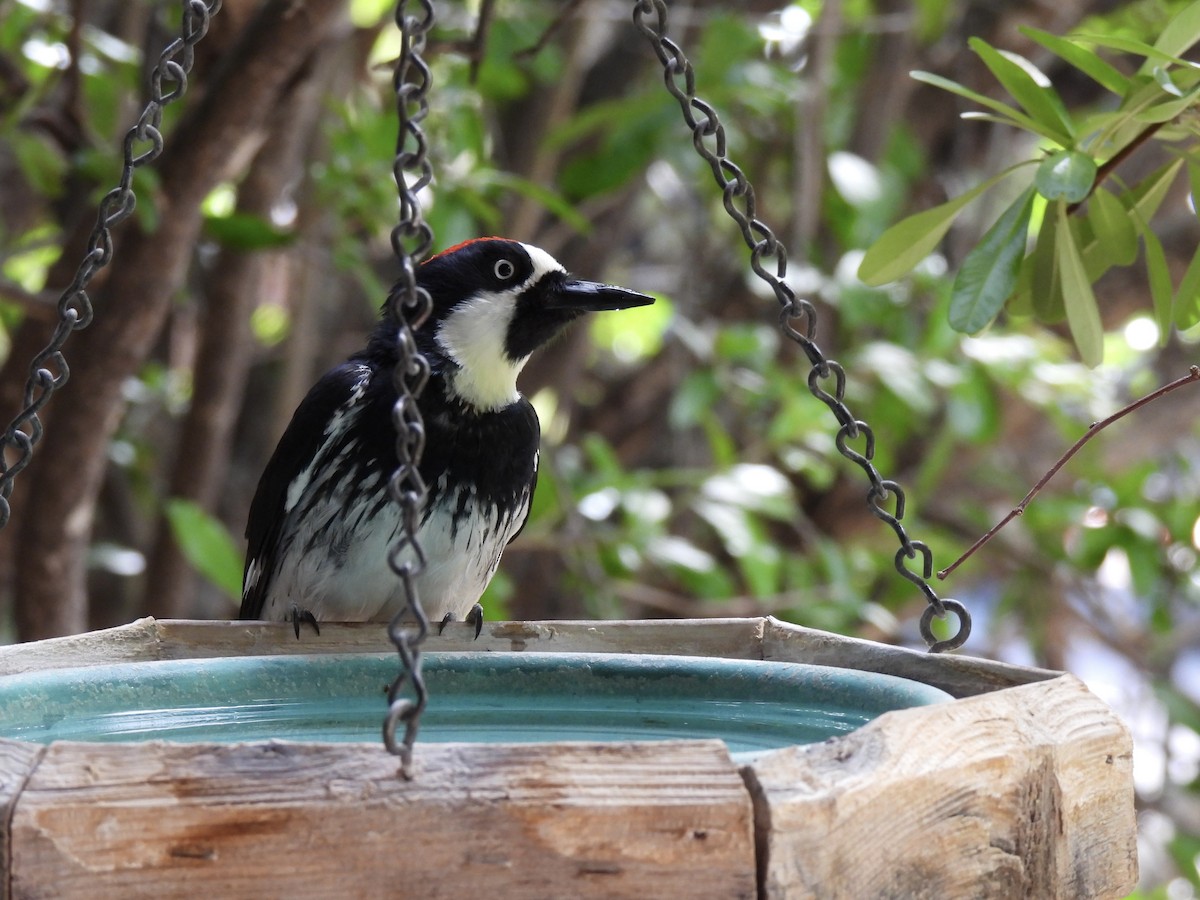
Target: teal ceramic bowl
(474, 697)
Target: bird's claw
(474, 616)
(305, 616)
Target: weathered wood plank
(760, 638)
(959, 676)
(730, 638)
(150, 639)
(277, 819)
(136, 642)
(1026, 792)
(17, 762)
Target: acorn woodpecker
(322, 521)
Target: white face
(473, 335)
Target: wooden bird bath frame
(1021, 787)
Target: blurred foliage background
(687, 471)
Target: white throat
(473, 336)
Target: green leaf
(547, 503)
(1095, 263)
(1040, 101)
(601, 119)
(720, 443)
(1013, 116)
(603, 459)
(1168, 110)
(1083, 316)
(44, 168)
(638, 336)
(1081, 58)
(745, 539)
(245, 231)
(1133, 46)
(367, 13)
(1181, 33)
(1187, 296)
(270, 324)
(496, 597)
(913, 238)
(1113, 227)
(698, 394)
(1122, 125)
(1021, 304)
(207, 545)
(1185, 847)
(631, 148)
(1150, 191)
(1045, 286)
(551, 200)
(1066, 175)
(1159, 275)
(989, 273)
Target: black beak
(591, 296)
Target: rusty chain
(410, 305)
(48, 371)
(708, 136)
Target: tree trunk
(208, 147)
(226, 347)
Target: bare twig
(563, 14)
(808, 141)
(41, 305)
(1093, 430)
(479, 41)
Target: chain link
(827, 379)
(48, 370)
(410, 304)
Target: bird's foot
(303, 615)
(474, 616)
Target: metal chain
(48, 370)
(410, 304)
(708, 136)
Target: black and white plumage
(322, 521)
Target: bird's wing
(301, 442)
(537, 456)
(525, 519)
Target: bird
(322, 521)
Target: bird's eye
(504, 269)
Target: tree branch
(1110, 165)
(1094, 429)
(42, 306)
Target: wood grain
(17, 762)
(1025, 792)
(278, 819)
